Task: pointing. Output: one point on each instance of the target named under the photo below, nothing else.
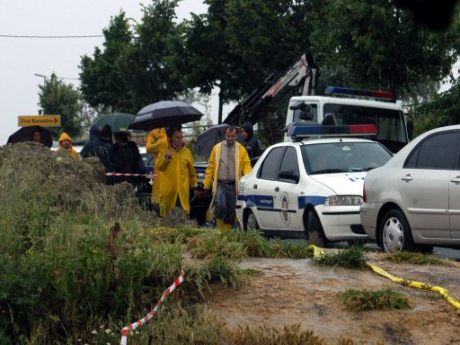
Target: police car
(311, 186)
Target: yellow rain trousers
(177, 176)
(74, 154)
(156, 141)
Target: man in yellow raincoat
(229, 161)
(66, 145)
(178, 173)
(156, 141)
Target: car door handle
(277, 189)
(255, 186)
(407, 178)
(456, 180)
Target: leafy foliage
(57, 97)
(104, 77)
(442, 110)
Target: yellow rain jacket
(156, 141)
(74, 154)
(242, 167)
(177, 176)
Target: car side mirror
(289, 175)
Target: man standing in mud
(228, 162)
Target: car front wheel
(395, 233)
(251, 222)
(315, 231)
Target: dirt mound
(32, 170)
(299, 292)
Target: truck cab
(345, 106)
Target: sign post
(39, 120)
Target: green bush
(360, 300)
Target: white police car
(311, 187)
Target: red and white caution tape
(126, 330)
(126, 174)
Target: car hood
(343, 183)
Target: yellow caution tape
(416, 285)
(317, 251)
(413, 284)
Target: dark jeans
(225, 202)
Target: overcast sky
(21, 58)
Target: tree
(104, 76)
(152, 59)
(376, 45)
(442, 110)
(137, 65)
(56, 97)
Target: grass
(352, 257)
(239, 244)
(285, 249)
(416, 259)
(362, 300)
(214, 244)
(196, 325)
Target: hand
(168, 155)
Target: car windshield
(339, 157)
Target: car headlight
(343, 200)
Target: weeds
(197, 326)
(352, 257)
(172, 235)
(217, 270)
(213, 244)
(285, 249)
(361, 300)
(253, 241)
(416, 259)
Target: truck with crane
(339, 105)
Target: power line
(51, 36)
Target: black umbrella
(165, 114)
(213, 135)
(26, 133)
(117, 121)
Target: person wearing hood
(100, 145)
(250, 141)
(178, 173)
(156, 141)
(66, 145)
(127, 158)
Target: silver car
(413, 201)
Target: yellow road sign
(39, 120)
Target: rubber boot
(224, 228)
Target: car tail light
(364, 193)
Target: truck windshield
(391, 126)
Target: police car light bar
(383, 95)
(316, 130)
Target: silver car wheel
(393, 235)
(251, 223)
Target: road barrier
(413, 284)
(126, 330)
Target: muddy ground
(298, 291)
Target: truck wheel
(395, 233)
(251, 222)
(315, 230)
